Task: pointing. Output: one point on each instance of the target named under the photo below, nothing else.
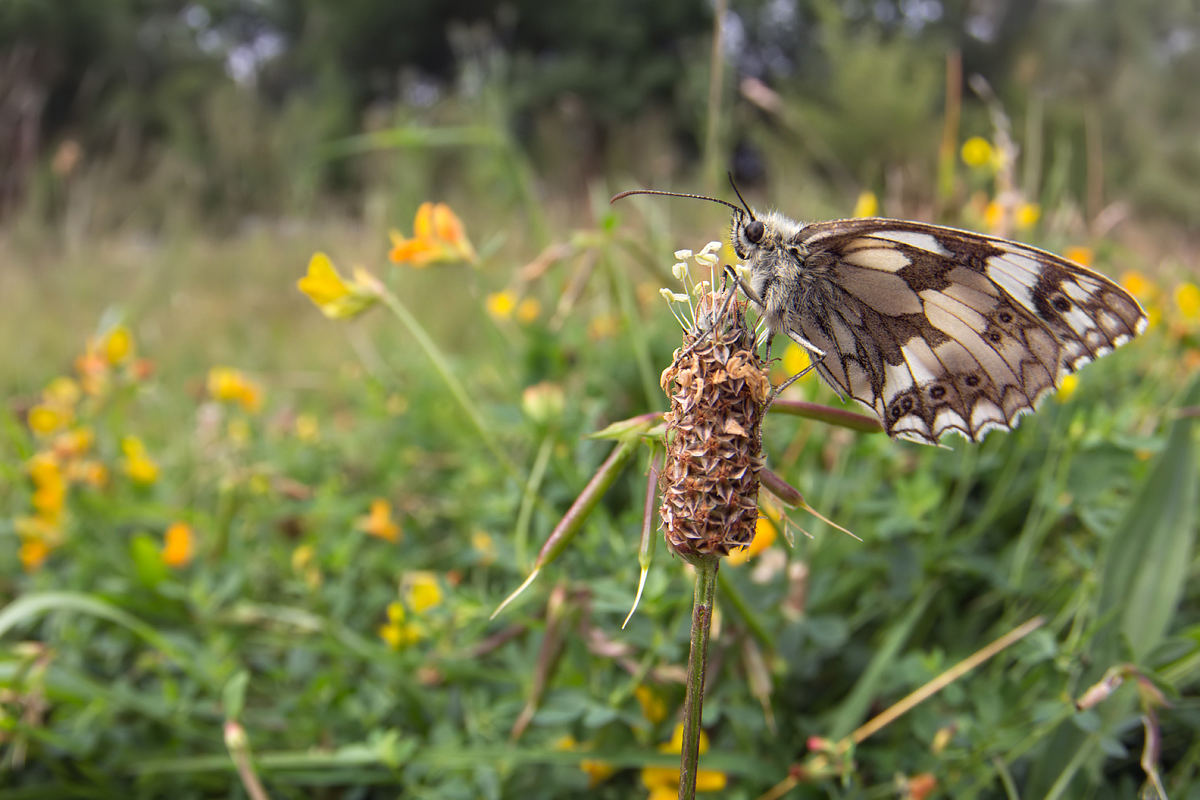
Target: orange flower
(438, 238)
(178, 545)
(379, 522)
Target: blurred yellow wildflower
(502, 304)
(47, 419)
(61, 392)
(1080, 255)
(663, 782)
(764, 536)
(1138, 285)
(438, 238)
(603, 326)
(1187, 300)
(93, 473)
(1028, 215)
(178, 544)
(396, 632)
(597, 771)
(93, 371)
(334, 295)
(528, 310)
(977, 152)
(654, 708)
(304, 564)
(117, 345)
(49, 498)
(33, 553)
(379, 521)
(424, 592)
(308, 428)
(867, 205)
(484, 546)
(138, 465)
(73, 443)
(796, 360)
(231, 385)
(1067, 388)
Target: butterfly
(935, 329)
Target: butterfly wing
(938, 329)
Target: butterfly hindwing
(938, 330)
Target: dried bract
(717, 388)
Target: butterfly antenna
(739, 194)
(617, 197)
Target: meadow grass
(349, 534)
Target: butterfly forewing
(938, 329)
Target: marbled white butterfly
(934, 329)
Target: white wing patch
(922, 241)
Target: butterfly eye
(755, 231)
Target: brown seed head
(717, 388)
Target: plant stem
(452, 383)
(693, 707)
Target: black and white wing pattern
(938, 329)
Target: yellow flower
(44, 468)
(597, 771)
(528, 310)
(502, 304)
(764, 537)
(334, 295)
(178, 545)
(1138, 285)
(796, 360)
(654, 708)
(61, 392)
(663, 782)
(231, 385)
(1067, 388)
(49, 499)
(1028, 215)
(483, 544)
(438, 238)
(423, 592)
(138, 466)
(379, 521)
(117, 345)
(33, 553)
(977, 152)
(1080, 255)
(74, 443)
(867, 205)
(308, 428)
(1187, 300)
(398, 633)
(993, 215)
(93, 473)
(603, 326)
(46, 419)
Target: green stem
(529, 497)
(443, 368)
(693, 707)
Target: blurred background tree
(226, 104)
